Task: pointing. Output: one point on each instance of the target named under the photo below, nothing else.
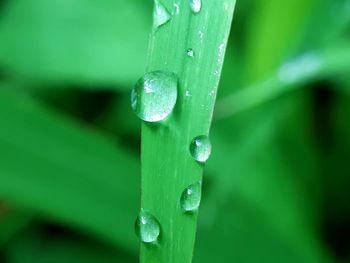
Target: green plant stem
(330, 62)
(167, 166)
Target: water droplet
(160, 14)
(177, 9)
(191, 197)
(226, 6)
(190, 52)
(196, 5)
(200, 148)
(221, 52)
(154, 96)
(221, 49)
(147, 227)
(201, 34)
(187, 93)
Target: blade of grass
(94, 49)
(167, 166)
(286, 209)
(308, 67)
(65, 171)
(36, 245)
(275, 30)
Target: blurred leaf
(120, 119)
(75, 41)
(241, 233)
(39, 247)
(66, 171)
(275, 31)
(230, 82)
(332, 27)
(260, 205)
(334, 132)
(331, 62)
(12, 223)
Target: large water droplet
(191, 197)
(154, 96)
(200, 148)
(196, 5)
(160, 14)
(147, 227)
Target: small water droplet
(191, 197)
(147, 227)
(221, 52)
(196, 5)
(226, 6)
(160, 14)
(154, 96)
(190, 52)
(187, 93)
(200, 148)
(221, 48)
(177, 9)
(201, 34)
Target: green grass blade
(167, 167)
(307, 68)
(275, 30)
(75, 42)
(62, 170)
(35, 245)
(254, 208)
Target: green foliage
(276, 186)
(66, 167)
(167, 165)
(75, 42)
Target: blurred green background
(276, 188)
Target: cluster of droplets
(153, 100)
(147, 227)
(161, 14)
